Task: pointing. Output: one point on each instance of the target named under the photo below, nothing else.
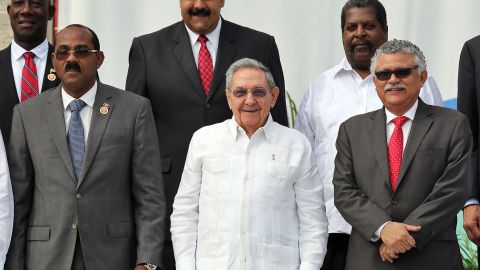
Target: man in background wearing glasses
(400, 171)
(340, 93)
(249, 197)
(83, 160)
(25, 66)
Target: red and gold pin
(104, 108)
(51, 76)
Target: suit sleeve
(6, 205)
(279, 112)
(147, 188)
(137, 70)
(449, 194)
(354, 205)
(184, 218)
(467, 104)
(23, 181)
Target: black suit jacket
(469, 101)
(8, 91)
(162, 68)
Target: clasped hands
(396, 239)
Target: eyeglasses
(401, 73)
(256, 92)
(80, 53)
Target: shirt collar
(344, 66)
(410, 114)
(88, 97)
(236, 130)
(213, 36)
(40, 51)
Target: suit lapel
(226, 51)
(420, 126)
(378, 135)
(6, 74)
(52, 81)
(97, 127)
(183, 53)
(56, 123)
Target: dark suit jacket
(117, 206)
(8, 91)
(162, 68)
(469, 101)
(430, 190)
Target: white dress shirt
(18, 61)
(249, 203)
(331, 98)
(212, 43)
(85, 113)
(6, 205)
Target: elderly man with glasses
(400, 171)
(249, 197)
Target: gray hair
(248, 63)
(399, 46)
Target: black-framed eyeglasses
(80, 53)
(257, 92)
(401, 73)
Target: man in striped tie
(25, 66)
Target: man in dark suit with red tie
(25, 66)
(181, 69)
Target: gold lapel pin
(104, 108)
(51, 76)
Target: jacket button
(394, 202)
(74, 226)
(78, 196)
(208, 105)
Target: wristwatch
(150, 266)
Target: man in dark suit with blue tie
(29, 21)
(181, 69)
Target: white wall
(307, 31)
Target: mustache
(199, 12)
(399, 86)
(363, 42)
(72, 66)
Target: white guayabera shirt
(331, 98)
(249, 203)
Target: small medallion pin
(273, 157)
(51, 76)
(104, 108)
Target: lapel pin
(104, 108)
(273, 157)
(51, 76)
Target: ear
(275, 93)
(222, 3)
(51, 11)
(423, 76)
(229, 97)
(8, 9)
(100, 58)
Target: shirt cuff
(471, 201)
(309, 266)
(376, 236)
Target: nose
(26, 7)
(393, 79)
(249, 99)
(360, 31)
(199, 3)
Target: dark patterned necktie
(76, 136)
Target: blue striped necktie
(76, 136)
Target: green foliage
(469, 253)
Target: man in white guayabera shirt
(6, 205)
(249, 197)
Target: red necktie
(29, 83)
(395, 150)
(205, 64)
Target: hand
(387, 254)
(396, 236)
(140, 267)
(471, 221)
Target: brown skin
(471, 222)
(201, 23)
(398, 100)
(396, 239)
(76, 81)
(29, 20)
(251, 113)
(362, 35)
